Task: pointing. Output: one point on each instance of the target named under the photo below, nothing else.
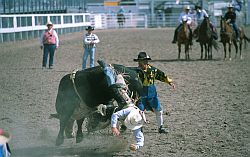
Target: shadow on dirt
(47, 151)
(183, 60)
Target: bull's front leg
(63, 122)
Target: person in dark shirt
(230, 17)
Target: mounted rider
(185, 16)
(200, 15)
(230, 17)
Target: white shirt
(186, 16)
(90, 40)
(200, 15)
(121, 115)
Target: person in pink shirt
(49, 43)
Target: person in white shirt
(49, 42)
(187, 17)
(89, 43)
(133, 119)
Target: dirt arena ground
(208, 114)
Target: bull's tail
(55, 115)
(215, 45)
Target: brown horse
(244, 38)
(228, 36)
(183, 38)
(206, 39)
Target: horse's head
(225, 26)
(205, 22)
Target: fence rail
(28, 26)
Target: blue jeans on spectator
(49, 49)
(87, 52)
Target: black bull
(79, 99)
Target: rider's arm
(205, 13)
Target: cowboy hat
(49, 23)
(197, 6)
(187, 7)
(230, 5)
(142, 56)
(4, 137)
(89, 28)
(134, 120)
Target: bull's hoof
(59, 141)
(79, 137)
(69, 136)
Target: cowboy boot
(163, 130)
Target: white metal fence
(28, 26)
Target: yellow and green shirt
(148, 78)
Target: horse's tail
(246, 38)
(215, 45)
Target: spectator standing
(89, 43)
(49, 43)
(4, 146)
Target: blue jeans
(236, 29)
(49, 49)
(110, 75)
(87, 52)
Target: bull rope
(99, 108)
(72, 77)
(78, 112)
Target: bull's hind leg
(79, 134)
(60, 136)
